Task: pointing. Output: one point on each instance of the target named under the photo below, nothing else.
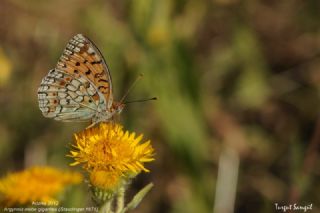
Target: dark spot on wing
(88, 72)
(103, 89)
(87, 85)
(98, 75)
(77, 64)
(103, 80)
(96, 62)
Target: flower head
(35, 184)
(110, 154)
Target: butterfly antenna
(130, 88)
(142, 100)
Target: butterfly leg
(91, 125)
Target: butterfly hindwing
(63, 97)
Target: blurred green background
(236, 127)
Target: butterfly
(79, 88)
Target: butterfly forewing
(82, 58)
(79, 86)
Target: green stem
(106, 207)
(120, 200)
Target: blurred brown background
(236, 127)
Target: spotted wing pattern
(79, 86)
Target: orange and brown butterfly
(80, 87)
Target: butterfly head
(117, 107)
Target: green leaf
(138, 198)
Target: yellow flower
(38, 184)
(110, 154)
